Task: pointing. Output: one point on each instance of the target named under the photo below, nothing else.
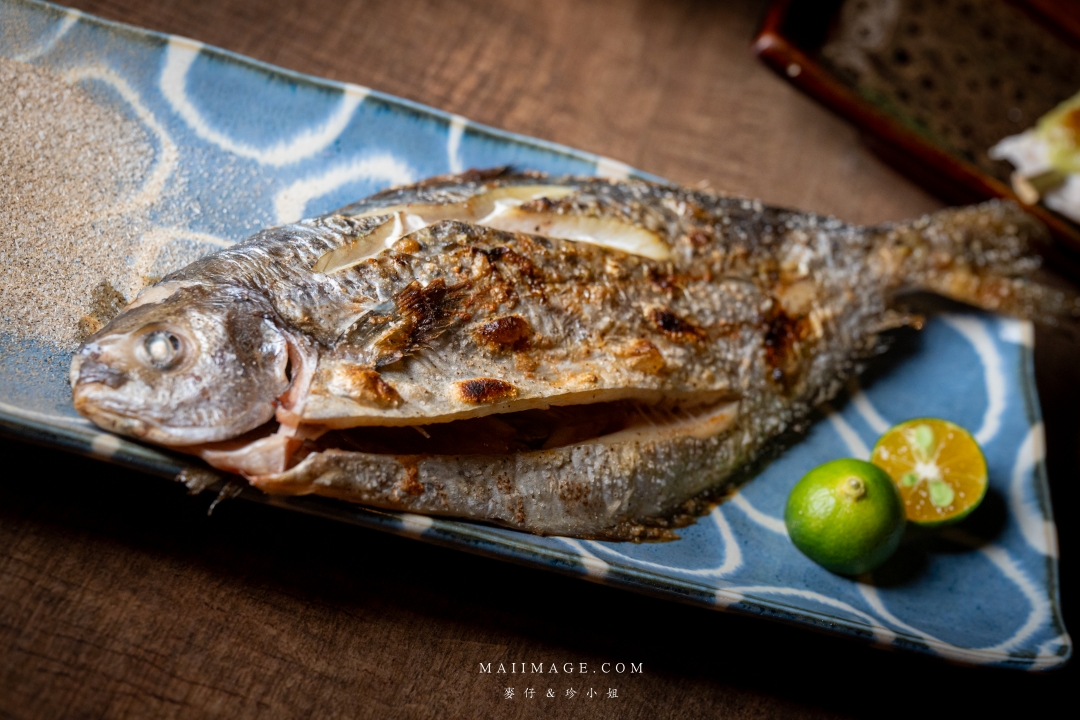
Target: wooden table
(119, 597)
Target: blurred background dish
(934, 86)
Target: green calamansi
(845, 515)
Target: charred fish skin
(495, 295)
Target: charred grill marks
(783, 340)
(511, 332)
(676, 329)
(641, 355)
(422, 314)
(367, 386)
(483, 391)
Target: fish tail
(982, 255)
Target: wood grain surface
(120, 598)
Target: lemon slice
(937, 466)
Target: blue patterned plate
(985, 592)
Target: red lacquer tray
(790, 42)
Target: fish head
(197, 366)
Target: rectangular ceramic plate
(984, 593)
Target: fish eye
(162, 350)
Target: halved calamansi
(937, 466)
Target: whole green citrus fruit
(845, 515)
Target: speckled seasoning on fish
(569, 356)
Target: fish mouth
(177, 438)
(113, 422)
(87, 377)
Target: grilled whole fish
(569, 356)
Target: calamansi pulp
(938, 468)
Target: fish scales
(567, 356)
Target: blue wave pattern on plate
(256, 145)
